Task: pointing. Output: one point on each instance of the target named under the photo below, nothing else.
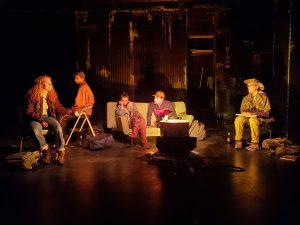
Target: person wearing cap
(162, 109)
(255, 107)
(84, 98)
(134, 119)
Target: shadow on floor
(219, 185)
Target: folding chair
(81, 115)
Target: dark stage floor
(119, 185)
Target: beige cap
(254, 80)
(160, 94)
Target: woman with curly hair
(42, 106)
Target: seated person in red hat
(162, 109)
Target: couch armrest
(187, 117)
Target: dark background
(41, 38)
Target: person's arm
(31, 113)
(245, 105)
(121, 109)
(60, 109)
(264, 106)
(90, 99)
(149, 113)
(170, 107)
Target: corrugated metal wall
(134, 52)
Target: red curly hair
(38, 87)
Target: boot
(253, 147)
(61, 157)
(45, 156)
(238, 145)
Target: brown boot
(46, 156)
(238, 145)
(61, 157)
(253, 147)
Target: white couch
(142, 107)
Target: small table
(174, 128)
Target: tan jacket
(259, 104)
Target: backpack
(100, 141)
(197, 130)
(23, 160)
(280, 146)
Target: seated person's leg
(67, 121)
(143, 136)
(239, 124)
(58, 134)
(142, 131)
(59, 139)
(37, 130)
(135, 130)
(254, 124)
(45, 152)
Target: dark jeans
(53, 125)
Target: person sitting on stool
(255, 107)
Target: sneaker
(253, 147)
(238, 145)
(61, 157)
(45, 156)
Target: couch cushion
(143, 109)
(152, 131)
(110, 115)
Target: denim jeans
(53, 125)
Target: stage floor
(121, 186)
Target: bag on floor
(100, 141)
(23, 160)
(197, 130)
(273, 143)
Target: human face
(47, 84)
(158, 100)
(78, 79)
(252, 87)
(124, 100)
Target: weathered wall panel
(133, 53)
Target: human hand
(165, 118)
(69, 111)
(44, 124)
(120, 104)
(247, 114)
